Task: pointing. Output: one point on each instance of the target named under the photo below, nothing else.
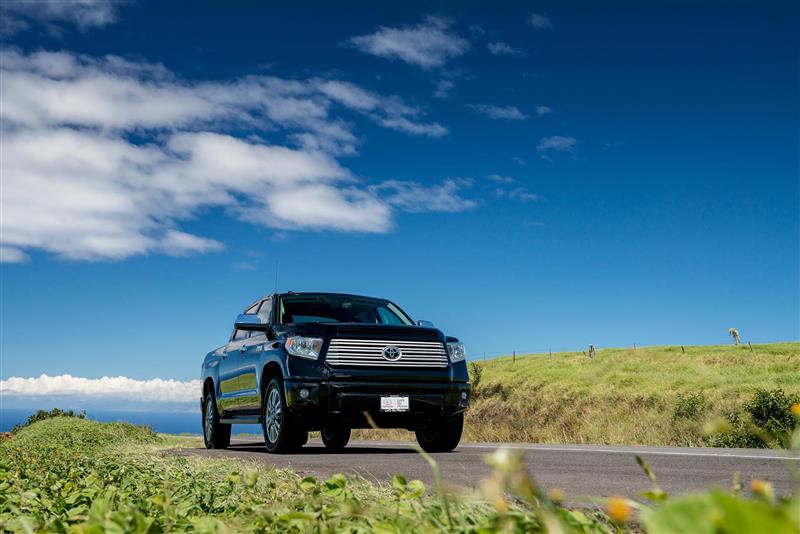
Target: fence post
(683, 351)
(751, 347)
(514, 357)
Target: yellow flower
(796, 409)
(619, 509)
(762, 488)
(500, 504)
(556, 495)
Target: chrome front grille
(370, 353)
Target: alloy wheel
(209, 426)
(273, 415)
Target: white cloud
(508, 188)
(504, 49)
(499, 112)
(558, 143)
(389, 112)
(416, 198)
(501, 179)
(12, 255)
(107, 387)
(518, 193)
(543, 110)
(323, 207)
(540, 22)
(88, 196)
(58, 88)
(177, 243)
(443, 89)
(84, 14)
(428, 44)
(103, 158)
(403, 124)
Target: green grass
(646, 396)
(625, 396)
(75, 475)
(68, 473)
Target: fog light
(303, 393)
(463, 395)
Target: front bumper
(357, 403)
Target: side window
(253, 308)
(265, 311)
(240, 334)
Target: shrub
(41, 415)
(689, 406)
(771, 410)
(765, 421)
(475, 372)
(740, 433)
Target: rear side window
(265, 311)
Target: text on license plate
(394, 404)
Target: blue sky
(531, 176)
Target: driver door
(230, 371)
(231, 368)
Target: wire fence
(590, 350)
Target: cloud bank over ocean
(104, 391)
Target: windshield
(324, 308)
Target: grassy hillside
(649, 396)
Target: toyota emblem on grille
(392, 353)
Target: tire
(215, 434)
(335, 438)
(300, 438)
(442, 435)
(280, 434)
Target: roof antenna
(276, 276)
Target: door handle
(242, 349)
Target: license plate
(394, 404)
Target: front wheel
(215, 434)
(442, 435)
(280, 434)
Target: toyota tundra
(329, 362)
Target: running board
(248, 420)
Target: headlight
(304, 347)
(457, 352)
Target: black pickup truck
(300, 362)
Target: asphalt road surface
(578, 470)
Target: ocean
(165, 422)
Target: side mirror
(249, 321)
(426, 324)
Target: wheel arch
(208, 387)
(272, 369)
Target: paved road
(577, 469)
